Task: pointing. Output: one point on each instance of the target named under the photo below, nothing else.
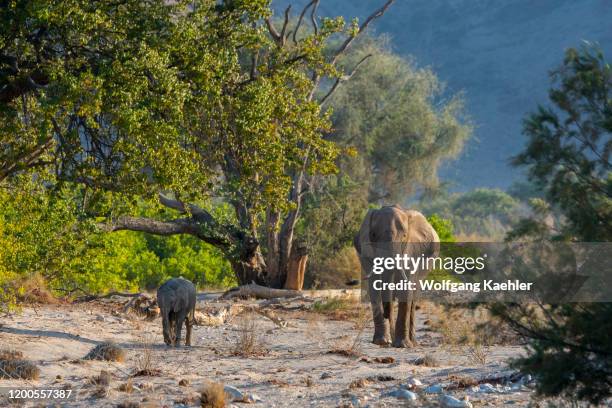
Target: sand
(292, 366)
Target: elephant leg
(166, 329)
(401, 326)
(188, 326)
(382, 335)
(412, 323)
(389, 315)
(179, 326)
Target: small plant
(212, 395)
(18, 368)
(8, 354)
(103, 379)
(332, 305)
(127, 387)
(145, 362)
(427, 361)
(478, 353)
(249, 342)
(108, 351)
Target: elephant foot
(402, 343)
(381, 341)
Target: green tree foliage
(44, 233)
(399, 120)
(567, 156)
(479, 214)
(209, 102)
(568, 153)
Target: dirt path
(295, 370)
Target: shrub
(212, 395)
(106, 351)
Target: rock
(325, 375)
(253, 398)
(447, 401)
(100, 318)
(233, 393)
(184, 382)
(402, 394)
(434, 389)
(413, 383)
(487, 388)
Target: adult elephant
(388, 232)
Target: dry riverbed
(315, 354)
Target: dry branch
(260, 292)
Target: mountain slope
(497, 52)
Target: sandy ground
(295, 369)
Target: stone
(434, 389)
(402, 394)
(447, 401)
(414, 383)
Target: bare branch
(283, 33)
(313, 17)
(300, 19)
(343, 78)
(376, 14)
(273, 32)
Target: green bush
(46, 233)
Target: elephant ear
(363, 237)
(421, 231)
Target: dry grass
(17, 368)
(34, 290)
(351, 346)
(103, 379)
(478, 353)
(212, 395)
(9, 354)
(339, 308)
(427, 361)
(107, 351)
(249, 341)
(461, 381)
(145, 361)
(359, 383)
(461, 327)
(127, 387)
(342, 267)
(128, 404)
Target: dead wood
(254, 290)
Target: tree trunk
(249, 267)
(296, 268)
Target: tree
(486, 213)
(568, 157)
(397, 127)
(205, 102)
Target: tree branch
(300, 19)
(313, 17)
(343, 78)
(283, 33)
(376, 14)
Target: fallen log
(224, 315)
(254, 290)
(90, 298)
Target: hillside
(498, 52)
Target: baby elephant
(176, 299)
